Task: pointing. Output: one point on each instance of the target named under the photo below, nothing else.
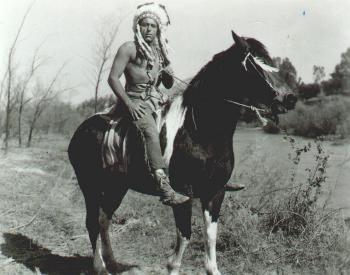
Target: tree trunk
(20, 125)
(96, 91)
(31, 128)
(7, 126)
(98, 84)
(8, 107)
(30, 135)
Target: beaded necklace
(150, 65)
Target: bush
(292, 231)
(291, 215)
(306, 91)
(327, 116)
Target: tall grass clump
(326, 116)
(293, 231)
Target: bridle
(251, 107)
(249, 57)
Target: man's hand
(167, 77)
(137, 109)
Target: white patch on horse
(174, 262)
(100, 254)
(210, 244)
(173, 121)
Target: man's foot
(234, 187)
(168, 195)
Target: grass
(267, 228)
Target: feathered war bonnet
(160, 15)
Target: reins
(253, 108)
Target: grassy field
(42, 215)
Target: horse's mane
(201, 81)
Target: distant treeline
(324, 104)
(337, 84)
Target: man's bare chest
(138, 68)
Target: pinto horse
(196, 138)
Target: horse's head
(256, 74)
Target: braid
(144, 48)
(163, 48)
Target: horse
(196, 134)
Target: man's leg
(147, 126)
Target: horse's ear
(239, 40)
(235, 36)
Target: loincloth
(150, 94)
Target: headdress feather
(159, 14)
(263, 65)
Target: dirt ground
(42, 212)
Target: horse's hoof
(101, 271)
(214, 272)
(113, 267)
(173, 269)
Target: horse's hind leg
(112, 197)
(211, 210)
(92, 200)
(100, 206)
(182, 214)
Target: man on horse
(145, 65)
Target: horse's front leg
(211, 209)
(182, 214)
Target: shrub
(327, 116)
(291, 232)
(291, 214)
(308, 90)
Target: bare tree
(3, 84)
(318, 73)
(22, 100)
(41, 99)
(9, 102)
(9, 76)
(103, 53)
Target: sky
(308, 32)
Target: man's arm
(121, 59)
